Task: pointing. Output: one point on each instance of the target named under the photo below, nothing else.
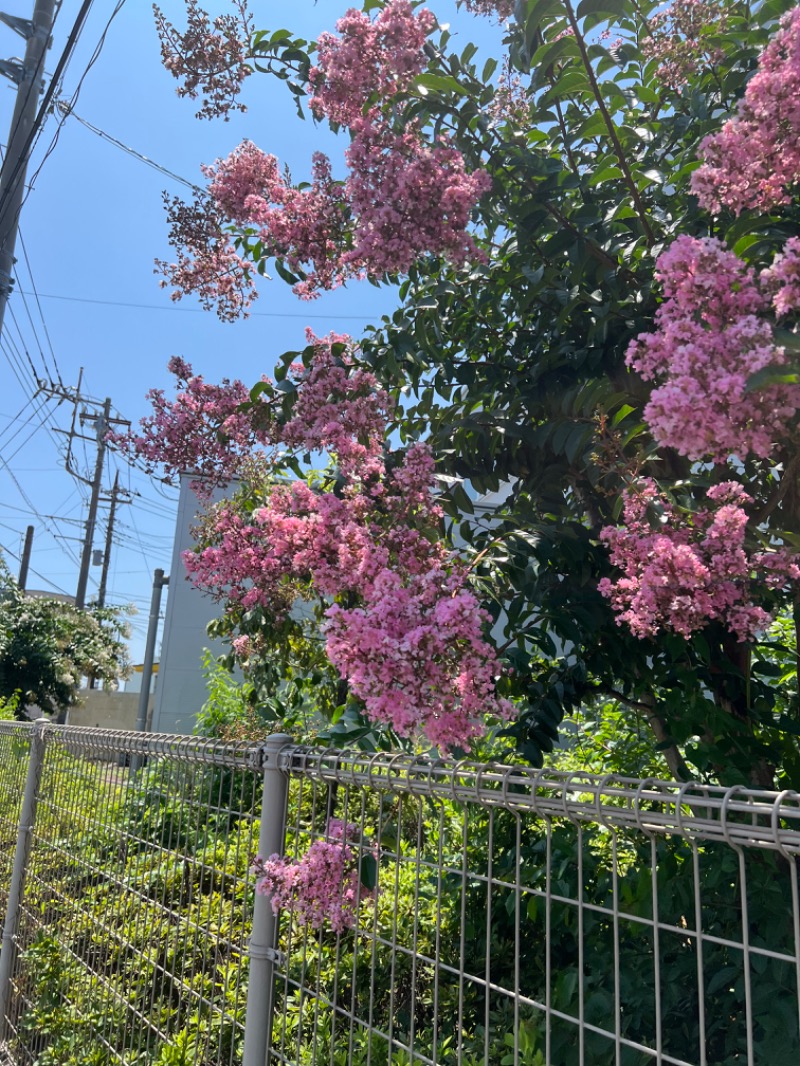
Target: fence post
(262, 951)
(27, 819)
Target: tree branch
(612, 131)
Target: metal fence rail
(495, 915)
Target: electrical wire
(66, 110)
(33, 510)
(33, 570)
(39, 307)
(13, 420)
(171, 306)
(36, 379)
(38, 122)
(60, 67)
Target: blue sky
(90, 229)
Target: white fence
(499, 916)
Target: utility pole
(101, 428)
(101, 592)
(102, 423)
(159, 582)
(26, 559)
(28, 77)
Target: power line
(33, 570)
(67, 111)
(39, 306)
(56, 536)
(44, 107)
(12, 420)
(34, 371)
(193, 310)
(60, 68)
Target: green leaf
(608, 8)
(771, 375)
(440, 83)
(368, 871)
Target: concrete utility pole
(101, 428)
(26, 559)
(28, 78)
(102, 423)
(159, 581)
(101, 592)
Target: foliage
(9, 707)
(229, 712)
(606, 321)
(47, 646)
(113, 962)
(137, 915)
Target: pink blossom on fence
(677, 41)
(320, 889)
(210, 57)
(370, 59)
(708, 342)
(681, 572)
(782, 280)
(338, 829)
(754, 160)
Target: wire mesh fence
(14, 752)
(474, 914)
(136, 912)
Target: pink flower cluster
(210, 57)
(402, 626)
(682, 572)
(303, 227)
(414, 652)
(369, 60)
(207, 261)
(754, 160)
(676, 39)
(339, 409)
(782, 280)
(202, 431)
(321, 888)
(403, 197)
(503, 9)
(708, 342)
(408, 197)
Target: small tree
(47, 646)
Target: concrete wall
(106, 710)
(181, 689)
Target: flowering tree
(47, 647)
(598, 278)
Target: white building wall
(181, 689)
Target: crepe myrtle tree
(594, 248)
(47, 646)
